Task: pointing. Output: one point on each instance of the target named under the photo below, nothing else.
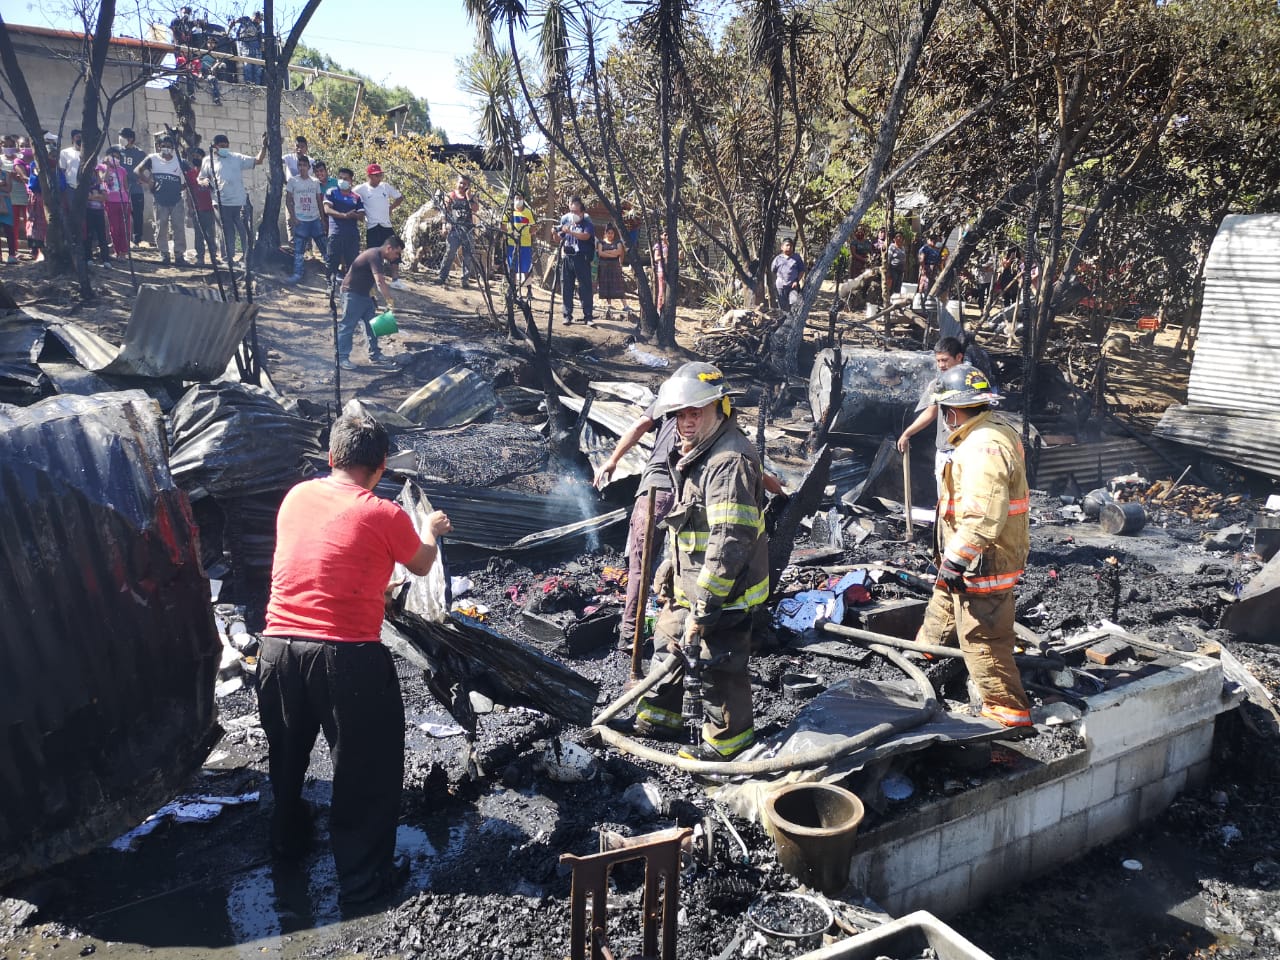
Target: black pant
(350, 691)
(95, 233)
(137, 202)
(343, 249)
(579, 268)
(376, 236)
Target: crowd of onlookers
(206, 49)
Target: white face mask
(122, 143)
(344, 184)
(166, 152)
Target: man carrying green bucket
(367, 270)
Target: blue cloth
(306, 230)
(576, 269)
(525, 257)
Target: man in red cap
(380, 199)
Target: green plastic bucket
(384, 324)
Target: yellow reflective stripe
(715, 585)
(689, 541)
(730, 745)
(994, 583)
(964, 551)
(1007, 716)
(1019, 506)
(752, 597)
(729, 511)
(657, 716)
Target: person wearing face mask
(719, 569)
(981, 542)
(223, 173)
(115, 182)
(162, 172)
(131, 155)
(13, 181)
(345, 211)
(69, 160)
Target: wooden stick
(642, 600)
(906, 492)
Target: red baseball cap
(371, 169)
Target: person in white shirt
(302, 199)
(380, 199)
(290, 160)
(69, 160)
(223, 172)
(163, 173)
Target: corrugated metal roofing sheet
(1249, 439)
(1238, 346)
(177, 332)
(1093, 464)
(108, 644)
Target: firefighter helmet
(695, 384)
(964, 385)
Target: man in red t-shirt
(322, 665)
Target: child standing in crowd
(95, 219)
(115, 182)
(520, 241)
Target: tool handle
(642, 599)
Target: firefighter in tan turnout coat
(720, 568)
(982, 541)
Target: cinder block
(1153, 708)
(943, 895)
(1110, 819)
(1088, 789)
(1059, 842)
(1190, 747)
(1075, 792)
(1140, 767)
(1000, 869)
(1155, 798)
(967, 840)
(911, 862)
(1047, 806)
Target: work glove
(951, 575)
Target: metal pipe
(934, 650)
(815, 757)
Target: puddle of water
(274, 910)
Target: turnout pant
(576, 269)
(984, 624)
(350, 691)
(727, 725)
(636, 574)
(459, 238)
(171, 217)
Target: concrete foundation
(1145, 742)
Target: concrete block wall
(1142, 750)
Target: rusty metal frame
(661, 855)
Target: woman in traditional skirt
(611, 250)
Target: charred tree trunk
(275, 78)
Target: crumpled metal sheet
(179, 332)
(109, 647)
(607, 420)
(512, 521)
(458, 396)
(172, 332)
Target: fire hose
(813, 757)
(1047, 660)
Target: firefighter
(981, 543)
(719, 571)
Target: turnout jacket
(982, 513)
(720, 555)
